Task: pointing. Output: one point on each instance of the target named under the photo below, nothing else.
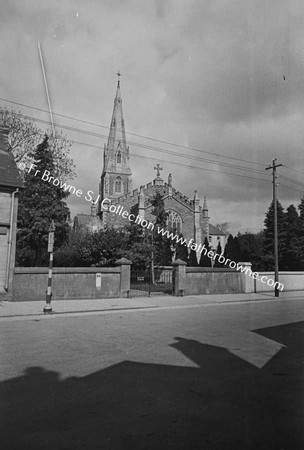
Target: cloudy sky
(222, 80)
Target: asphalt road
(225, 376)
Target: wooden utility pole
(273, 167)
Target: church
(185, 215)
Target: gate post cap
(179, 262)
(123, 262)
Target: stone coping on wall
(209, 269)
(290, 272)
(63, 270)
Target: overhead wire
(134, 134)
(148, 147)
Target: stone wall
(292, 281)
(30, 283)
(207, 280)
(201, 280)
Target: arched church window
(113, 122)
(119, 157)
(174, 221)
(118, 185)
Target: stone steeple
(116, 177)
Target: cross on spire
(158, 168)
(119, 75)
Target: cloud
(224, 77)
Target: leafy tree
(219, 252)
(232, 249)
(250, 249)
(301, 234)
(268, 241)
(192, 262)
(292, 256)
(24, 136)
(181, 251)
(139, 248)
(161, 244)
(39, 204)
(301, 216)
(77, 251)
(87, 249)
(205, 261)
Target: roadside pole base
(47, 309)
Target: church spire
(117, 136)
(116, 178)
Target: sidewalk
(11, 310)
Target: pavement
(214, 372)
(32, 309)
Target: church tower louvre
(116, 177)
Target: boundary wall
(207, 280)
(29, 283)
(292, 281)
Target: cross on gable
(158, 168)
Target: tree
(161, 244)
(205, 261)
(139, 248)
(219, 252)
(268, 237)
(292, 257)
(232, 248)
(39, 204)
(250, 249)
(192, 262)
(301, 216)
(159, 211)
(181, 251)
(24, 136)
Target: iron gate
(148, 282)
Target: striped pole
(48, 308)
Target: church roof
(82, 219)
(215, 230)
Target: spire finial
(119, 75)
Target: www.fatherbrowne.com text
(119, 210)
(198, 248)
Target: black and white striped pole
(48, 308)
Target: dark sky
(224, 77)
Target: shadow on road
(225, 403)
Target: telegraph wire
(132, 134)
(161, 150)
(148, 147)
(296, 170)
(184, 165)
(290, 180)
(291, 188)
(196, 168)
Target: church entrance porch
(147, 283)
